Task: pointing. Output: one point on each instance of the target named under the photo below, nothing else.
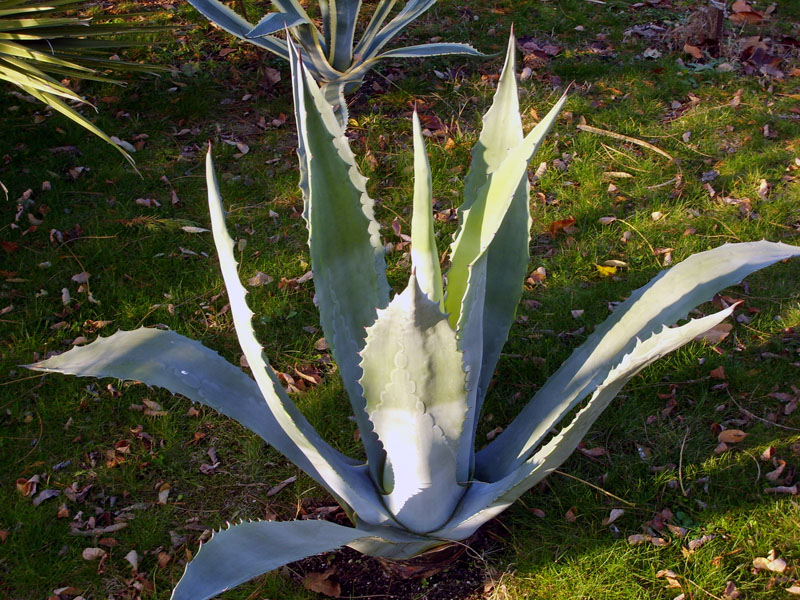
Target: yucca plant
(332, 56)
(416, 367)
(42, 42)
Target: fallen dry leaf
(615, 514)
(537, 276)
(277, 488)
(27, 487)
(562, 224)
(780, 465)
(670, 576)
(93, 553)
(693, 51)
(259, 279)
(163, 492)
(570, 515)
(322, 584)
(716, 334)
(718, 373)
(730, 592)
(606, 271)
(133, 559)
(731, 436)
(641, 538)
(770, 563)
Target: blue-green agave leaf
(484, 501)
(347, 256)
(425, 50)
(470, 342)
(488, 209)
(182, 366)
(241, 552)
(314, 48)
(424, 255)
(228, 20)
(412, 10)
(338, 473)
(377, 20)
(342, 20)
(507, 255)
(273, 22)
(415, 386)
(663, 301)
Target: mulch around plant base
(351, 574)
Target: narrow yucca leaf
(424, 255)
(663, 301)
(488, 210)
(346, 250)
(415, 387)
(340, 474)
(55, 102)
(484, 501)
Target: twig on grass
(597, 487)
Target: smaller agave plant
(332, 56)
(416, 367)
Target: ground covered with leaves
(681, 132)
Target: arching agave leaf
(241, 552)
(225, 18)
(274, 22)
(427, 50)
(182, 366)
(351, 483)
(663, 301)
(484, 501)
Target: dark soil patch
(355, 575)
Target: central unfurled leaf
(415, 387)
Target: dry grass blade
(626, 138)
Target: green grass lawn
(730, 129)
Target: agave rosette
(416, 367)
(332, 56)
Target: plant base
(426, 564)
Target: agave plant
(416, 367)
(40, 45)
(332, 55)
